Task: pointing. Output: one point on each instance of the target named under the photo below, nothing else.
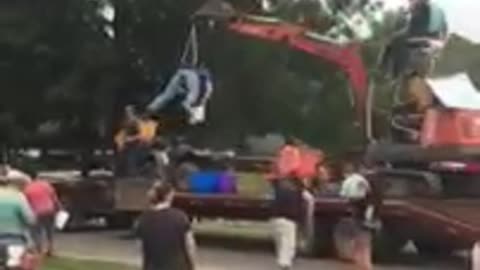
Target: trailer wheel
(432, 248)
(387, 243)
(74, 223)
(343, 238)
(120, 221)
(318, 242)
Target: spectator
(160, 158)
(15, 176)
(16, 216)
(289, 159)
(356, 189)
(45, 204)
(287, 213)
(476, 257)
(327, 184)
(165, 233)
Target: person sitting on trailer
(134, 140)
(227, 183)
(128, 130)
(288, 159)
(326, 184)
(159, 159)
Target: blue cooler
(205, 182)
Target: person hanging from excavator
(190, 89)
(427, 27)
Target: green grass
(72, 264)
(234, 229)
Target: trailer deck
(456, 220)
(451, 223)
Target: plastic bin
(205, 182)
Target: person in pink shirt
(44, 202)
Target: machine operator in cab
(427, 27)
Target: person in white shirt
(355, 186)
(356, 189)
(476, 257)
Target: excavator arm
(343, 55)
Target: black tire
(431, 248)
(343, 237)
(387, 244)
(74, 223)
(461, 186)
(319, 243)
(120, 221)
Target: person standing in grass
(165, 233)
(16, 216)
(45, 204)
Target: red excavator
(435, 225)
(441, 160)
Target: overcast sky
(462, 16)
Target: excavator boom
(301, 38)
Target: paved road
(219, 253)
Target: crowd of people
(166, 232)
(28, 206)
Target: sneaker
(373, 225)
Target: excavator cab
(437, 135)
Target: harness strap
(191, 48)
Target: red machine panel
(451, 128)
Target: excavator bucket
(216, 9)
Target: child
(359, 191)
(356, 189)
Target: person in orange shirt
(134, 140)
(45, 204)
(142, 129)
(288, 160)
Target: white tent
(456, 91)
